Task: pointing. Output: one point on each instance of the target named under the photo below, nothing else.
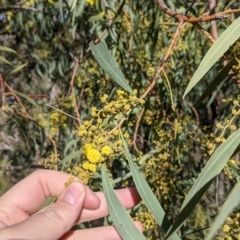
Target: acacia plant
(145, 93)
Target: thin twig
(2, 91)
(206, 33)
(212, 10)
(26, 115)
(58, 110)
(72, 90)
(136, 130)
(11, 91)
(160, 69)
(48, 135)
(165, 59)
(213, 17)
(195, 112)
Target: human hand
(76, 204)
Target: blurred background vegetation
(58, 105)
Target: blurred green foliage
(60, 110)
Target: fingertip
(129, 196)
(135, 195)
(92, 201)
(74, 193)
(139, 225)
(79, 189)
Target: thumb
(55, 220)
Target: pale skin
(76, 204)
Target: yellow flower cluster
(231, 228)
(94, 131)
(92, 154)
(100, 134)
(50, 2)
(41, 120)
(91, 2)
(89, 166)
(148, 221)
(150, 71)
(9, 15)
(106, 150)
(50, 162)
(65, 102)
(201, 217)
(230, 169)
(93, 160)
(70, 180)
(57, 120)
(127, 24)
(229, 126)
(81, 173)
(102, 14)
(42, 53)
(28, 3)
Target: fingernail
(72, 194)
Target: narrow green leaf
(148, 197)
(120, 9)
(60, 2)
(2, 59)
(121, 220)
(231, 202)
(107, 7)
(109, 64)
(60, 70)
(38, 69)
(146, 156)
(17, 69)
(78, 11)
(73, 5)
(74, 12)
(206, 177)
(52, 66)
(69, 145)
(215, 163)
(218, 79)
(61, 111)
(96, 17)
(71, 156)
(81, 8)
(74, 29)
(30, 100)
(7, 49)
(120, 179)
(222, 44)
(49, 200)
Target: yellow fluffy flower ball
(87, 148)
(93, 156)
(89, 166)
(91, 2)
(106, 150)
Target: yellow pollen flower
(106, 150)
(226, 228)
(93, 156)
(91, 2)
(87, 148)
(89, 166)
(120, 92)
